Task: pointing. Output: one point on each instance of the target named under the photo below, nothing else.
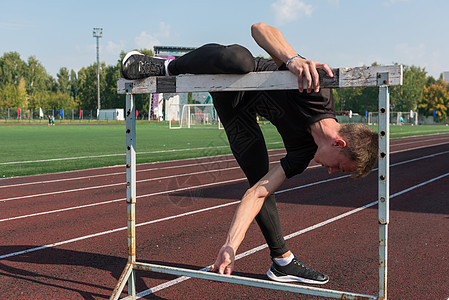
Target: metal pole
(98, 73)
(98, 33)
(384, 180)
(131, 184)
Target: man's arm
(272, 40)
(247, 210)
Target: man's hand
(272, 40)
(308, 68)
(225, 261)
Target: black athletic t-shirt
(292, 113)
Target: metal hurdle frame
(380, 76)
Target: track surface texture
(63, 236)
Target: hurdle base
(268, 284)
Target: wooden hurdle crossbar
(374, 76)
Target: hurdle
(373, 76)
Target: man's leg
(249, 149)
(244, 134)
(207, 59)
(214, 59)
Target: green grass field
(39, 149)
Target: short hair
(362, 146)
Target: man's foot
(136, 65)
(296, 271)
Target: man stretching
(305, 119)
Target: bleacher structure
(379, 76)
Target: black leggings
(214, 59)
(240, 123)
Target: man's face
(335, 161)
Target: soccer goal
(193, 116)
(396, 118)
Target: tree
(38, 100)
(436, 97)
(356, 99)
(36, 76)
(63, 80)
(22, 97)
(73, 85)
(110, 98)
(60, 100)
(8, 96)
(12, 68)
(411, 93)
(12, 96)
(87, 87)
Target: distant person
(49, 120)
(53, 120)
(305, 120)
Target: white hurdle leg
(384, 180)
(131, 184)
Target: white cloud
(164, 30)
(114, 48)
(286, 11)
(434, 61)
(389, 3)
(15, 25)
(411, 53)
(147, 41)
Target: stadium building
(446, 76)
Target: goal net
(193, 116)
(398, 118)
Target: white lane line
(181, 166)
(60, 180)
(138, 171)
(415, 148)
(59, 159)
(208, 209)
(292, 235)
(120, 154)
(116, 184)
(112, 231)
(422, 131)
(103, 175)
(420, 135)
(172, 150)
(149, 152)
(124, 199)
(422, 141)
(373, 170)
(62, 192)
(61, 210)
(217, 183)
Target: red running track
(63, 236)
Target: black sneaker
(136, 65)
(296, 271)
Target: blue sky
(338, 32)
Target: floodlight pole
(98, 33)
